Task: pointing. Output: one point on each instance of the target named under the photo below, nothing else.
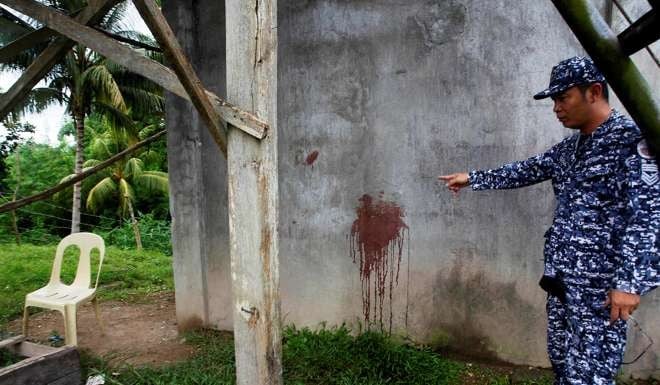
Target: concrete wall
(375, 99)
(197, 170)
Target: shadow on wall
(472, 309)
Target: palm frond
(13, 27)
(37, 100)
(100, 146)
(101, 193)
(154, 181)
(66, 191)
(91, 163)
(43, 97)
(117, 119)
(143, 102)
(101, 81)
(113, 20)
(152, 157)
(22, 60)
(67, 178)
(133, 168)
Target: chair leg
(26, 318)
(95, 302)
(70, 336)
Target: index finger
(614, 313)
(446, 177)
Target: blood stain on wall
(311, 158)
(377, 241)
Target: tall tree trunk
(17, 234)
(136, 229)
(79, 121)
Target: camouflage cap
(571, 72)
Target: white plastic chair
(66, 298)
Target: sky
(48, 123)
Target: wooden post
(253, 192)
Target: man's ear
(595, 92)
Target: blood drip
(377, 238)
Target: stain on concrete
(475, 309)
(441, 21)
(311, 158)
(189, 323)
(377, 242)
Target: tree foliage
(16, 133)
(87, 83)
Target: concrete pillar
(198, 177)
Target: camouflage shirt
(605, 231)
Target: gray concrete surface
(198, 192)
(378, 98)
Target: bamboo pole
(78, 177)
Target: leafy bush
(155, 234)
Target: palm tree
(118, 183)
(87, 82)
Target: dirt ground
(138, 334)
(145, 333)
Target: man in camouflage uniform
(601, 252)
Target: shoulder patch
(644, 151)
(650, 173)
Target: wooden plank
(134, 43)
(59, 366)
(42, 35)
(51, 191)
(30, 349)
(133, 61)
(24, 42)
(71, 379)
(51, 55)
(167, 40)
(11, 341)
(253, 193)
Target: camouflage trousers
(584, 348)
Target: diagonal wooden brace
(24, 42)
(134, 62)
(156, 22)
(92, 14)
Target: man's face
(572, 107)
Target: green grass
(125, 273)
(323, 357)
(336, 357)
(8, 358)
(327, 356)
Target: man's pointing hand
(455, 182)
